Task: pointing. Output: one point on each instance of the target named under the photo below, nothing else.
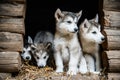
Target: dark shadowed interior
(40, 14)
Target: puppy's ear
(79, 14)
(30, 40)
(84, 26)
(96, 18)
(33, 47)
(58, 14)
(86, 23)
(99, 27)
(48, 45)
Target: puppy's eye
(23, 52)
(69, 22)
(30, 51)
(44, 57)
(37, 57)
(94, 32)
(33, 48)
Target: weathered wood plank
(112, 32)
(9, 68)
(111, 19)
(10, 61)
(112, 39)
(113, 5)
(8, 55)
(114, 65)
(11, 46)
(113, 76)
(113, 45)
(21, 1)
(111, 60)
(15, 25)
(113, 54)
(11, 41)
(8, 37)
(8, 9)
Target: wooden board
(15, 25)
(112, 39)
(113, 5)
(9, 9)
(21, 1)
(112, 32)
(113, 54)
(114, 65)
(111, 60)
(11, 41)
(111, 19)
(113, 76)
(10, 62)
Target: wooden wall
(12, 30)
(111, 23)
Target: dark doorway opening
(40, 14)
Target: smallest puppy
(90, 37)
(42, 49)
(26, 54)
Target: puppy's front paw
(83, 71)
(95, 72)
(72, 72)
(59, 70)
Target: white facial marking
(26, 55)
(42, 60)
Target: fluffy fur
(90, 37)
(43, 47)
(26, 54)
(67, 48)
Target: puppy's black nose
(75, 29)
(103, 38)
(27, 57)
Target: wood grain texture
(15, 25)
(11, 42)
(113, 76)
(10, 61)
(9, 9)
(111, 19)
(113, 5)
(112, 39)
(113, 58)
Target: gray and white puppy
(42, 47)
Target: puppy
(26, 54)
(42, 49)
(66, 43)
(90, 37)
